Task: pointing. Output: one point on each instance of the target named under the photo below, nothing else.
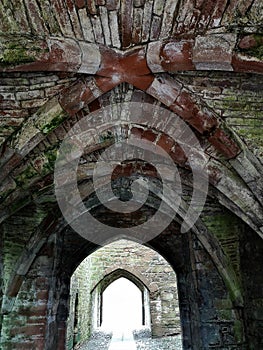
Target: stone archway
(98, 291)
(201, 303)
(144, 267)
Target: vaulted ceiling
(201, 60)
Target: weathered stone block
(164, 90)
(91, 58)
(214, 52)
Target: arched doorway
(122, 306)
(121, 278)
(141, 297)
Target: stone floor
(125, 341)
(167, 343)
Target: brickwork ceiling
(196, 62)
(60, 60)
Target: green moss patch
(20, 50)
(53, 124)
(15, 56)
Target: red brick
(94, 105)
(177, 55)
(166, 142)
(33, 329)
(242, 65)
(126, 22)
(137, 132)
(224, 144)
(105, 84)
(178, 155)
(141, 82)
(203, 122)
(149, 135)
(73, 97)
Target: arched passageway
(145, 271)
(122, 306)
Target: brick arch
(182, 54)
(218, 171)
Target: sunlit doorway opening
(122, 306)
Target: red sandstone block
(246, 65)
(204, 121)
(177, 55)
(185, 101)
(149, 170)
(110, 62)
(131, 68)
(140, 82)
(38, 320)
(127, 169)
(103, 85)
(75, 97)
(117, 172)
(224, 144)
(214, 51)
(166, 142)
(94, 105)
(137, 132)
(187, 108)
(135, 63)
(149, 135)
(178, 155)
(164, 90)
